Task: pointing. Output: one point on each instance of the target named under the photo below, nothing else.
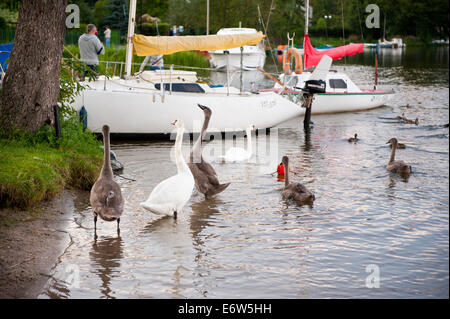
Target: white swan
(171, 195)
(238, 154)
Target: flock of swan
(171, 195)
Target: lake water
(369, 234)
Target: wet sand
(30, 244)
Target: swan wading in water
(238, 154)
(295, 191)
(171, 195)
(106, 197)
(205, 176)
(397, 166)
(353, 139)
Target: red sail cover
(312, 56)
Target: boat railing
(111, 69)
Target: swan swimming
(353, 139)
(295, 191)
(238, 154)
(171, 195)
(106, 197)
(396, 166)
(205, 176)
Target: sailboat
(341, 94)
(253, 56)
(147, 102)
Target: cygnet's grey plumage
(295, 191)
(106, 196)
(206, 180)
(394, 166)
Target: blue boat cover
(5, 55)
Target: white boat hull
(346, 102)
(151, 112)
(251, 61)
(342, 95)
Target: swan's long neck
(181, 163)
(286, 174)
(196, 153)
(394, 147)
(249, 140)
(106, 168)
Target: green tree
(320, 24)
(100, 11)
(117, 19)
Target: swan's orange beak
(173, 123)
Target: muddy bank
(30, 244)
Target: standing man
(90, 47)
(107, 36)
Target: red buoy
(280, 169)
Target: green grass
(35, 167)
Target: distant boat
(396, 43)
(254, 56)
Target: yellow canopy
(144, 45)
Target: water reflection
(201, 217)
(105, 256)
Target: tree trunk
(31, 85)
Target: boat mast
(306, 29)
(376, 67)
(207, 17)
(131, 23)
(307, 17)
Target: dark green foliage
(117, 18)
(150, 28)
(2, 23)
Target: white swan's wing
(172, 188)
(170, 195)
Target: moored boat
(143, 106)
(253, 56)
(147, 102)
(342, 94)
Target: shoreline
(31, 243)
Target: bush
(354, 38)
